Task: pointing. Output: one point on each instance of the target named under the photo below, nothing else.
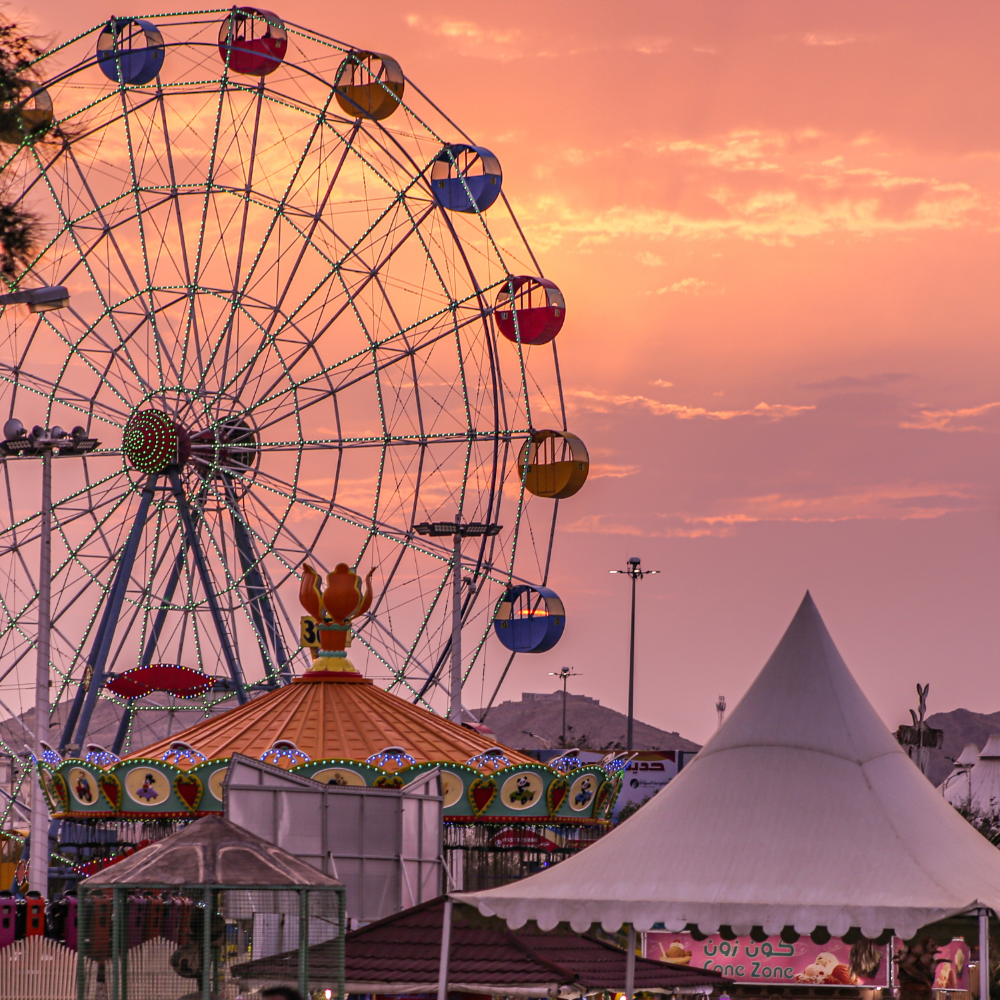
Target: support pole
(630, 964)
(341, 943)
(257, 596)
(206, 947)
(631, 670)
(446, 951)
(104, 638)
(984, 954)
(206, 582)
(456, 632)
(38, 873)
(565, 681)
(304, 941)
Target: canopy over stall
(957, 787)
(802, 811)
(400, 954)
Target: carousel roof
(330, 716)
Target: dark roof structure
(212, 851)
(401, 954)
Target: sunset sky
(776, 227)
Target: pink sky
(776, 228)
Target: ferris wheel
(299, 317)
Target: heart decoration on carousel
(482, 791)
(189, 790)
(111, 789)
(558, 790)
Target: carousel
(506, 815)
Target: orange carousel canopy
(331, 715)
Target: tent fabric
(957, 787)
(801, 811)
(984, 780)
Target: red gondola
(252, 41)
(533, 307)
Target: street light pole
(633, 570)
(565, 673)
(458, 530)
(455, 709)
(44, 443)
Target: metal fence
(211, 942)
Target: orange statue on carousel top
(327, 630)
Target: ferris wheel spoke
(210, 182)
(399, 676)
(271, 335)
(224, 339)
(140, 217)
(84, 258)
(361, 363)
(279, 212)
(61, 394)
(274, 392)
(179, 216)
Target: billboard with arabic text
(772, 961)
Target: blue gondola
(466, 178)
(530, 619)
(130, 51)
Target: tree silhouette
(19, 227)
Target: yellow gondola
(553, 464)
(369, 85)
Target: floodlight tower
(634, 571)
(458, 530)
(44, 443)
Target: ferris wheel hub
(153, 441)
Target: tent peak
(805, 698)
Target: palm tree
(19, 227)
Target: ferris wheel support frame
(201, 565)
(260, 604)
(85, 700)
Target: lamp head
(13, 429)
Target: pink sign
(953, 966)
(770, 961)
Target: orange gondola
(369, 85)
(553, 464)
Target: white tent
(984, 779)
(802, 810)
(957, 787)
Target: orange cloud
(602, 402)
(951, 420)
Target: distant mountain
(960, 727)
(535, 723)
